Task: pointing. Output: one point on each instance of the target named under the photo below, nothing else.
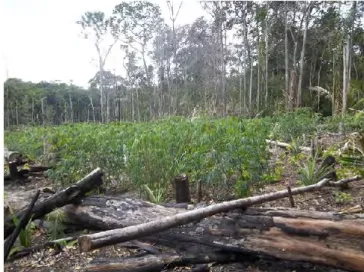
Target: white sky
(41, 40)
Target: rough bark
(157, 262)
(302, 61)
(182, 189)
(325, 238)
(286, 73)
(69, 195)
(94, 241)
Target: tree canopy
(249, 58)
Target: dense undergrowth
(216, 151)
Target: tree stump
(182, 189)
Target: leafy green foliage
(292, 125)
(309, 173)
(25, 235)
(154, 153)
(352, 122)
(342, 198)
(157, 196)
(57, 228)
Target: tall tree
(97, 25)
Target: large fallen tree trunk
(333, 239)
(97, 240)
(69, 195)
(324, 238)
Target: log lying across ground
(69, 195)
(323, 238)
(94, 241)
(286, 146)
(157, 263)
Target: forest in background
(251, 58)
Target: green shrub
(309, 173)
(153, 153)
(292, 125)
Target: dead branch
(343, 182)
(286, 146)
(69, 195)
(158, 263)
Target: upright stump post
(182, 187)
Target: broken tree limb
(66, 196)
(157, 262)
(344, 182)
(21, 225)
(97, 240)
(286, 146)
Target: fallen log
(287, 146)
(344, 182)
(321, 238)
(94, 241)
(333, 239)
(21, 225)
(157, 262)
(253, 231)
(69, 195)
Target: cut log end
(85, 243)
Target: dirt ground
(70, 259)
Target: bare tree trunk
(244, 78)
(16, 114)
(247, 48)
(286, 58)
(240, 91)
(43, 112)
(347, 58)
(138, 104)
(93, 109)
(223, 71)
(107, 107)
(333, 84)
(299, 89)
(258, 74)
(251, 87)
(32, 110)
(132, 106)
(345, 74)
(101, 70)
(71, 107)
(266, 39)
(173, 17)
